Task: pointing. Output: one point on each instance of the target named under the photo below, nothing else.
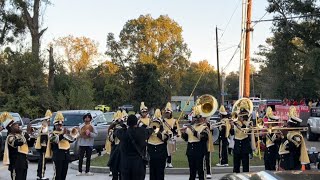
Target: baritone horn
(155, 124)
(208, 105)
(72, 135)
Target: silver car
(73, 118)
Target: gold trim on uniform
(145, 121)
(239, 134)
(154, 140)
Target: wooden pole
(247, 52)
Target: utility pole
(217, 46)
(248, 29)
(242, 47)
(222, 87)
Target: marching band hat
(196, 112)
(143, 108)
(48, 114)
(293, 120)
(59, 119)
(168, 108)
(7, 120)
(222, 110)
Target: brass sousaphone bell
(208, 105)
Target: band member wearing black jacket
(242, 146)
(131, 140)
(197, 136)
(16, 148)
(60, 140)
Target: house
(184, 103)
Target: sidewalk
(215, 170)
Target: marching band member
(60, 140)
(144, 120)
(157, 147)
(42, 146)
(170, 126)
(242, 146)
(272, 142)
(87, 134)
(115, 152)
(198, 137)
(293, 152)
(223, 137)
(16, 148)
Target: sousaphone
(208, 105)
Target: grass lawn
(180, 159)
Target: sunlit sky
(96, 18)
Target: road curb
(215, 170)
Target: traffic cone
(303, 167)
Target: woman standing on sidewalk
(87, 134)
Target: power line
(227, 48)
(292, 17)
(235, 52)
(234, 11)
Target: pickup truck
(313, 124)
(3, 133)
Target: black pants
(196, 165)
(132, 168)
(41, 164)
(237, 159)
(156, 167)
(19, 174)
(223, 152)
(60, 169)
(270, 158)
(208, 162)
(88, 151)
(169, 159)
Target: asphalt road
(32, 174)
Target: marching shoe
(219, 165)
(169, 165)
(110, 174)
(79, 174)
(44, 178)
(89, 174)
(209, 176)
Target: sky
(198, 19)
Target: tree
(207, 84)
(147, 87)
(11, 23)
(23, 84)
(32, 22)
(232, 85)
(291, 55)
(151, 41)
(78, 51)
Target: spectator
(85, 142)
(133, 140)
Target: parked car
(127, 107)
(103, 108)
(4, 132)
(313, 124)
(73, 118)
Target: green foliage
(151, 41)
(22, 84)
(292, 54)
(147, 87)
